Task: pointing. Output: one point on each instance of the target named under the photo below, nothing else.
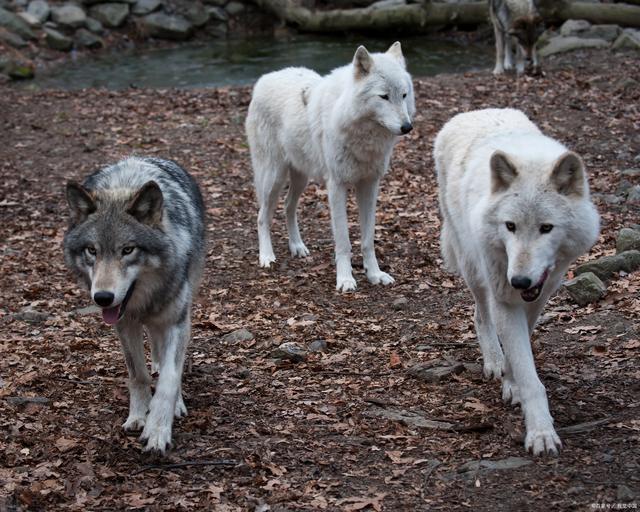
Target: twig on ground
(177, 465)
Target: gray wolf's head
(527, 30)
(541, 216)
(113, 241)
(384, 89)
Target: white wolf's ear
(81, 203)
(395, 51)
(503, 172)
(146, 205)
(568, 175)
(362, 62)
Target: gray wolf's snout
(406, 128)
(521, 282)
(103, 299)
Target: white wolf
(516, 212)
(339, 129)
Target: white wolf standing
(516, 212)
(339, 129)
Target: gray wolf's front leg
(366, 195)
(338, 204)
(513, 331)
(499, 68)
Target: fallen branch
(177, 465)
(579, 428)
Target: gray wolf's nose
(521, 282)
(406, 128)
(103, 299)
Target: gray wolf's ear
(503, 172)
(568, 175)
(146, 205)
(81, 203)
(395, 51)
(362, 62)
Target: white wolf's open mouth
(531, 294)
(113, 314)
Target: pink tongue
(110, 315)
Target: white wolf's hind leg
(297, 184)
(338, 204)
(269, 182)
(131, 339)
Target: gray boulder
(57, 40)
(633, 194)
(234, 8)
(237, 336)
(94, 25)
(197, 14)
(111, 15)
(217, 13)
(142, 7)
(164, 26)
(628, 240)
(607, 32)
(14, 23)
(87, 39)
(12, 39)
(631, 173)
(574, 27)
(605, 268)
(68, 15)
(585, 288)
(561, 44)
(629, 39)
(40, 10)
(631, 260)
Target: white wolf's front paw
(180, 409)
(510, 392)
(157, 438)
(346, 284)
(492, 367)
(542, 440)
(380, 278)
(298, 250)
(134, 423)
(498, 70)
(267, 259)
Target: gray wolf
(516, 213)
(136, 241)
(339, 129)
(516, 23)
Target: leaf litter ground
(348, 428)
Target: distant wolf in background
(339, 129)
(516, 213)
(136, 241)
(516, 23)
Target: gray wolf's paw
(542, 441)
(180, 409)
(298, 250)
(267, 259)
(157, 438)
(134, 423)
(510, 392)
(345, 284)
(380, 278)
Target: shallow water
(237, 62)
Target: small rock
(12, 39)
(435, 371)
(631, 173)
(561, 44)
(40, 10)
(68, 15)
(218, 30)
(94, 25)
(234, 8)
(30, 19)
(197, 14)
(631, 260)
(24, 400)
(143, 7)
(31, 315)
(88, 310)
(633, 194)
(628, 239)
(318, 346)
(217, 13)
(164, 26)
(57, 41)
(87, 39)
(18, 70)
(629, 39)
(607, 32)
(605, 268)
(399, 303)
(111, 15)
(625, 494)
(14, 23)
(238, 336)
(291, 351)
(585, 288)
(491, 465)
(623, 187)
(574, 27)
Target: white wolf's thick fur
(516, 208)
(339, 129)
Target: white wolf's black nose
(406, 128)
(521, 282)
(103, 299)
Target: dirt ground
(337, 431)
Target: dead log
(618, 14)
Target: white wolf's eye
(545, 228)
(404, 95)
(385, 97)
(91, 251)
(127, 250)
(510, 226)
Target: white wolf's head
(383, 88)
(541, 216)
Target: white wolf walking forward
(516, 212)
(136, 240)
(339, 129)
(516, 21)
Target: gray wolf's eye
(385, 97)
(127, 250)
(510, 226)
(91, 251)
(404, 95)
(545, 228)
